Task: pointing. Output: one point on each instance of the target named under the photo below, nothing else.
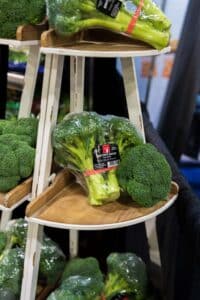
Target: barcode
(113, 163)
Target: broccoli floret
(16, 13)
(69, 17)
(123, 132)
(78, 288)
(10, 137)
(25, 128)
(126, 274)
(9, 165)
(52, 260)
(74, 141)
(144, 174)
(88, 267)
(8, 183)
(11, 269)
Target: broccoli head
(144, 174)
(52, 260)
(75, 139)
(81, 280)
(123, 132)
(16, 162)
(126, 275)
(16, 13)
(78, 288)
(88, 267)
(11, 269)
(3, 241)
(25, 128)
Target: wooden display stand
(27, 36)
(47, 198)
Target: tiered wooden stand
(63, 204)
(27, 36)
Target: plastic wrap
(16, 13)
(90, 145)
(141, 20)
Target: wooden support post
(31, 261)
(6, 216)
(30, 79)
(135, 116)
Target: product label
(105, 156)
(109, 7)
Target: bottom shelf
(65, 205)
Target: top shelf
(84, 49)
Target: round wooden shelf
(65, 205)
(104, 50)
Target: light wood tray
(95, 43)
(65, 205)
(17, 194)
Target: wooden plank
(31, 32)
(16, 194)
(30, 79)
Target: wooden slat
(30, 32)
(16, 194)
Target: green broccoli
(7, 294)
(52, 260)
(25, 128)
(74, 141)
(126, 275)
(78, 288)
(11, 269)
(144, 174)
(16, 13)
(124, 132)
(71, 16)
(81, 280)
(88, 267)
(16, 162)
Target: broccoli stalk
(71, 16)
(126, 275)
(74, 140)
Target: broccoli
(11, 269)
(15, 13)
(88, 267)
(78, 288)
(71, 16)
(52, 260)
(74, 140)
(144, 174)
(16, 162)
(124, 132)
(7, 294)
(126, 275)
(81, 280)
(25, 128)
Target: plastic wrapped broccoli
(140, 19)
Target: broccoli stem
(154, 15)
(100, 190)
(115, 285)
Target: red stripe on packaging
(93, 172)
(135, 17)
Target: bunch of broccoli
(71, 16)
(144, 174)
(13, 241)
(17, 151)
(82, 280)
(76, 138)
(16, 13)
